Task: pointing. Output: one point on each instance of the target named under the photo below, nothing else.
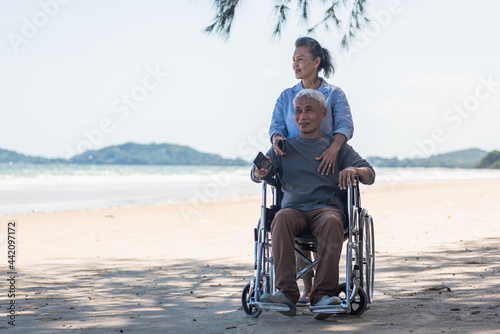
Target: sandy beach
(180, 268)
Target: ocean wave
(65, 187)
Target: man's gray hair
(313, 94)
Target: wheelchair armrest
(270, 213)
(271, 180)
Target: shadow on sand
(455, 289)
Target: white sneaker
(279, 298)
(325, 301)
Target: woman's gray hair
(317, 50)
(313, 94)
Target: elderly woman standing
(309, 59)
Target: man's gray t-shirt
(304, 188)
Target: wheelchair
(357, 291)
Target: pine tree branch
(226, 10)
(357, 18)
(223, 21)
(330, 15)
(304, 9)
(280, 12)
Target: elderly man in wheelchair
(311, 203)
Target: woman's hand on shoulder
(328, 159)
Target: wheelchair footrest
(272, 306)
(328, 309)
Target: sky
(422, 79)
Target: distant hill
(492, 160)
(14, 157)
(458, 159)
(170, 154)
(131, 154)
(152, 154)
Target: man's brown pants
(326, 225)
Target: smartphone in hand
(282, 145)
(262, 162)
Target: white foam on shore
(43, 188)
(410, 175)
(113, 174)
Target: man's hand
(276, 147)
(260, 172)
(346, 177)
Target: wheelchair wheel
(245, 301)
(358, 305)
(369, 257)
(367, 250)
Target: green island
(470, 158)
(172, 154)
(132, 154)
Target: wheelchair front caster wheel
(358, 305)
(250, 310)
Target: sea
(31, 188)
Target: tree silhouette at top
(226, 11)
